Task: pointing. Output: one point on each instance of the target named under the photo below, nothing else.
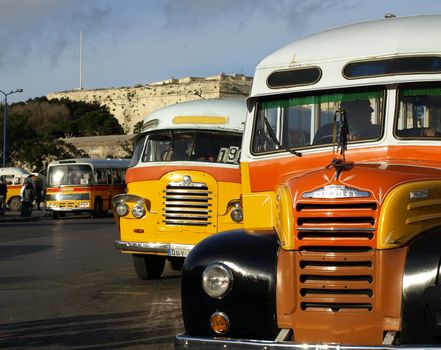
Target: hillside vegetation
(34, 129)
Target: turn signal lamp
(220, 324)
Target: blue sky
(130, 42)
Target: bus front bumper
(186, 342)
(169, 249)
(66, 209)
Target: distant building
(131, 104)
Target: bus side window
(101, 176)
(9, 180)
(116, 174)
(109, 176)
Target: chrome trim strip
(180, 191)
(193, 210)
(67, 209)
(129, 198)
(340, 229)
(186, 222)
(152, 247)
(186, 342)
(187, 204)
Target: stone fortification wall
(131, 104)
(109, 146)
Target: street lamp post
(5, 107)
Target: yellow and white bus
(84, 185)
(14, 178)
(183, 183)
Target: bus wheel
(98, 208)
(55, 215)
(177, 263)
(148, 267)
(14, 203)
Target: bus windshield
(59, 175)
(308, 121)
(192, 145)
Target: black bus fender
(250, 305)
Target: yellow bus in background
(183, 184)
(84, 185)
(14, 178)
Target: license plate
(178, 252)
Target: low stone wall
(109, 146)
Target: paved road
(64, 286)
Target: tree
(96, 123)
(35, 128)
(138, 127)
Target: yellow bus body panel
(409, 210)
(152, 228)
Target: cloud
(42, 30)
(139, 41)
(196, 13)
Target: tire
(98, 208)
(14, 204)
(177, 263)
(148, 267)
(55, 215)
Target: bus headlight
(237, 214)
(121, 209)
(138, 211)
(217, 280)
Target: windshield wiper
(273, 137)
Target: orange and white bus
(341, 192)
(84, 185)
(183, 183)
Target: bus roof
(226, 114)
(13, 171)
(332, 49)
(95, 162)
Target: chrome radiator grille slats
(336, 262)
(336, 281)
(351, 221)
(187, 204)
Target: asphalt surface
(63, 285)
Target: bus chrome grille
(187, 204)
(337, 279)
(336, 255)
(348, 223)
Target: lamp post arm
(5, 117)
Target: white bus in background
(183, 184)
